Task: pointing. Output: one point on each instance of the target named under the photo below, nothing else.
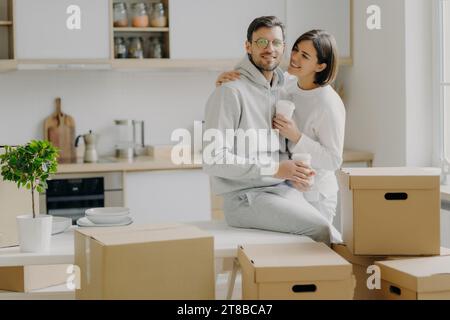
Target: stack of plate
(106, 217)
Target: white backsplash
(164, 100)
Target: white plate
(108, 211)
(60, 224)
(84, 222)
(104, 219)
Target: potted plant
(30, 166)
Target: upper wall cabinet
(215, 29)
(62, 29)
(334, 16)
(7, 61)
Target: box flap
(391, 178)
(366, 261)
(144, 233)
(428, 274)
(296, 262)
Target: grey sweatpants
(280, 208)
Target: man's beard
(263, 68)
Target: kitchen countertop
(148, 163)
(142, 163)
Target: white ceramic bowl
(60, 224)
(109, 215)
(108, 219)
(108, 211)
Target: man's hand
(287, 128)
(300, 187)
(295, 171)
(228, 76)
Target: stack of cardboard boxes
(391, 231)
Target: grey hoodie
(248, 103)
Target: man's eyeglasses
(263, 43)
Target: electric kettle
(90, 153)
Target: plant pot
(34, 233)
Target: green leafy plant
(29, 165)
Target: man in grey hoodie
(261, 187)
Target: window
(444, 77)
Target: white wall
(389, 100)
(95, 98)
(375, 85)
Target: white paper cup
(306, 159)
(286, 108)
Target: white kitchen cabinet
(168, 196)
(333, 16)
(215, 29)
(49, 29)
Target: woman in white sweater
(318, 123)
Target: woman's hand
(228, 76)
(287, 128)
(295, 171)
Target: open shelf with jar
(140, 32)
(7, 61)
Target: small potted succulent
(30, 166)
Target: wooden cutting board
(59, 129)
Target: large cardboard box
(13, 202)
(391, 211)
(426, 278)
(360, 265)
(170, 261)
(33, 277)
(297, 271)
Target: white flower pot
(34, 233)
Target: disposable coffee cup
(286, 108)
(306, 159)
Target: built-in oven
(70, 195)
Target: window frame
(441, 86)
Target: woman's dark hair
(326, 48)
(266, 21)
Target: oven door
(70, 195)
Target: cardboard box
(297, 271)
(170, 261)
(391, 211)
(13, 202)
(32, 277)
(426, 278)
(360, 265)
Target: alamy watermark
(228, 146)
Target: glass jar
(124, 138)
(155, 51)
(158, 17)
(120, 48)
(135, 49)
(120, 15)
(139, 15)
